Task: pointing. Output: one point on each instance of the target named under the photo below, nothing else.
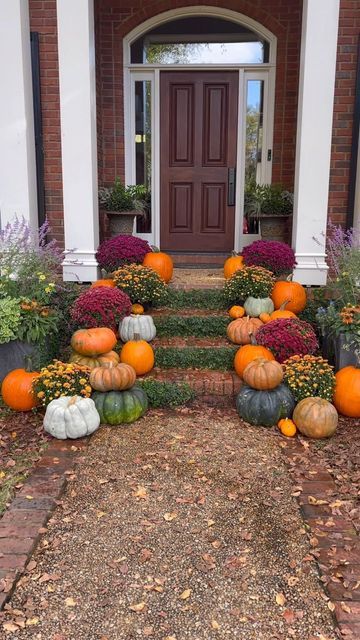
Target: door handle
(231, 186)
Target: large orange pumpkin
(138, 354)
(290, 294)
(104, 282)
(17, 391)
(263, 374)
(247, 354)
(315, 417)
(347, 392)
(92, 342)
(232, 264)
(240, 331)
(159, 262)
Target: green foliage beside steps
(216, 358)
(211, 299)
(198, 326)
(166, 394)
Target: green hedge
(166, 394)
(198, 326)
(217, 358)
(211, 299)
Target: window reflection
(203, 52)
(143, 146)
(254, 147)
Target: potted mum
(268, 209)
(122, 205)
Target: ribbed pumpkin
(159, 262)
(287, 427)
(118, 407)
(104, 282)
(247, 354)
(139, 354)
(263, 374)
(347, 392)
(96, 361)
(236, 311)
(93, 342)
(239, 331)
(111, 377)
(292, 294)
(264, 408)
(232, 264)
(315, 417)
(140, 325)
(16, 390)
(255, 306)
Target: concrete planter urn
(122, 222)
(275, 227)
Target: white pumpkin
(255, 306)
(142, 326)
(71, 417)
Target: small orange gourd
(287, 427)
(265, 317)
(104, 282)
(232, 264)
(139, 354)
(278, 313)
(137, 309)
(236, 311)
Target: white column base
(311, 269)
(80, 266)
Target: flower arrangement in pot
(268, 207)
(122, 204)
(253, 285)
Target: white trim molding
(314, 131)
(76, 42)
(18, 193)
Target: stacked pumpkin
(136, 331)
(93, 347)
(116, 397)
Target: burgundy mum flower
(120, 250)
(100, 307)
(287, 337)
(278, 257)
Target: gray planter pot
(276, 227)
(122, 222)
(332, 348)
(13, 356)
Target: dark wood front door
(197, 147)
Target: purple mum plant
(100, 307)
(115, 252)
(287, 337)
(275, 256)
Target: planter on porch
(275, 227)
(122, 222)
(13, 355)
(332, 348)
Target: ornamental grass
(141, 284)
(287, 337)
(250, 281)
(309, 376)
(62, 379)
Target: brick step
(191, 341)
(196, 260)
(206, 383)
(164, 311)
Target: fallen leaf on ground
(185, 594)
(70, 602)
(140, 606)
(170, 516)
(280, 599)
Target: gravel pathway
(181, 526)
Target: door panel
(197, 146)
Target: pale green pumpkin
(255, 306)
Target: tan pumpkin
(247, 353)
(263, 374)
(315, 417)
(96, 361)
(110, 377)
(239, 331)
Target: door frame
(151, 72)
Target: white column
(314, 130)
(18, 194)
(76, 42)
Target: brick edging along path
(25, 520)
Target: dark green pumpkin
(118, 407)
(264, 408)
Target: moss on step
(211, 299)
(166, 394)
(215, 358)
(198, 326)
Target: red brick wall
(349, 31)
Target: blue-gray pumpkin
(118, 407)
(264, 408)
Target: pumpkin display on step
(232, 264)
(292, 294)
(240, 330)
(138, 309)
(287, 427)
(277, 314)
(139, 354)
(71, 417)
(347, 391)
(236, 311)
(118, 407)
(264, 408)
(93, 342)
(104, 282)
(111, 377)
(95, 361)
(17, 390)
(254, 307)
(315, 417)
(263, 374)
(247, 354)
(160, 262)
(140, 325)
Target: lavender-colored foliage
(339, 242)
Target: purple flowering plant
(100, 307)
(275, 256)
(120, 250)
(287, 337)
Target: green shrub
(198, 326)
(166, 394)
(211, 299)
(219, 358)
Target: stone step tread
(191, 341)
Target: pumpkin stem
(155, 249)
(136, 336)
(289, 277)
(72, 401)
(252, 338)
(283, 305)
(235, 253)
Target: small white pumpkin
(255, 306)
(142, 326)
(71, 417)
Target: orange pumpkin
(96, 361)
(290, 294)
(263, 374)
(92, 342)
(247, 354)
(287, 427)
(347, 392)
(265, 317)
(232, 264)
(138, 354)
(137, 309)
(236, 312)
(239, 331)
(277, 314)
(104, 282)
(111, 377)
(17, 391)
(159, 262)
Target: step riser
(193, 260)
(205, 383)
